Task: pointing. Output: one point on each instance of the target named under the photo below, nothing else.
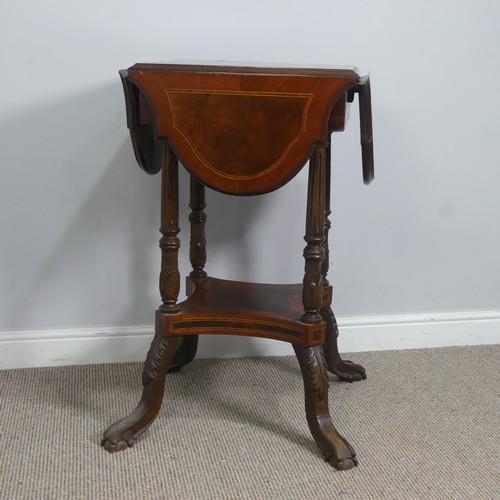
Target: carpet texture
(425, 425)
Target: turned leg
(336, 450)
(345, 370)
(197, 218)
(125, 432)
(314, 252)
(325, 266)
(198, 258)
(169, 242)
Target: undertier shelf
(216, 306)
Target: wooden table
(243, 131)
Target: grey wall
(78, 219)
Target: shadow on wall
(80, 220)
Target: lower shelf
(217, 306)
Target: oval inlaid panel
(239, 134)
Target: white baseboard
(77, 346)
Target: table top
(238, 67)
(238, 128)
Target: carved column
(327, 224)
(314, 251)
(169, 243)
(197, 218)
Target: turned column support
(169, 243)
(327, 223)
(198, 258)
(197, 218)
(314, 251)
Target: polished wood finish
(169, 243)
(336, 450)
(125, 432)
(197, 218)
(365, 120)
(314, 252)
(243, 131)
(344, 369)
(252, 309)
(239, 130)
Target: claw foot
(335, 449)
(338, 452)
(343, 464)
(112, 445)
(120, 437)
(125, 432)
(347, 370)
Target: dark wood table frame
(243, 131)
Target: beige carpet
(425, 425)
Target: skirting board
(80, 346)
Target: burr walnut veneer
(243, 131)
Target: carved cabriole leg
(314, 252)
(198, 258)
(125, 432)
(344, 369)
(336, 450)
